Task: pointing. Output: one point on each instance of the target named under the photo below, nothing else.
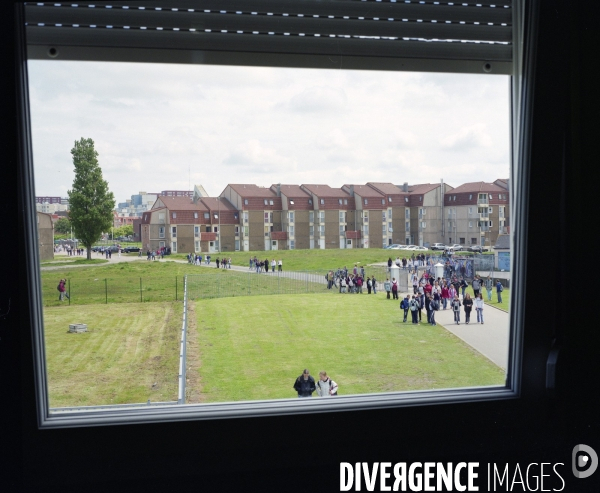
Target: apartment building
(397, 213)
(371, 216)
(175, 223)
(426, 202)
(260, 216)
(222, 231)
(476, 213)
(298, 217)
(335, 217)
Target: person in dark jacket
(305, 384)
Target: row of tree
(63, 227)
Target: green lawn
(58, 261)
(254, 348)
(130, 354)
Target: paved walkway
(490, 339)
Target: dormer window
(382, 201)
(322, 201)
(389, 199)
(310, 201)
(291, 202)
(195, 215)
(174, 215)
(266, 202)
(216, 216)
(366, 201)
(270, 202)
(245, 201)
(340, 201)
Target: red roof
(325, 191)
(478, 186)
(247, 191)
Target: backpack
(403, 304)
(413, 306)
(501, 288)
(58, 287)
(435, 305)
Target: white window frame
(161, 231)
(174, 246)
(196, 231)
(173, 231)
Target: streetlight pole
(219, 216)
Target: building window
(161, 232)
(389, 199)
(342, 229)
(342, 216)
(473, 241)
(407, 227)
(382, 201)
(383, 216)
(195, 215)
(311, 230)
(173, 231)
(366, 229)
(322, 216)
(406, 213)
(236, 215)
(245, 217)
(390, 229)
(245, 201)
(365, 217)
(215, 229)
(237, 231)
(322, 201)
(454, 198)
(383, 229)
(174, 215)
(310, 201)
(345, 201)
(246, 230)
(207, 215)
(449, 225)
(266, 202)
(196, 231)
(237, 245)
(490, 210)
(291, 230)
(291, 202)
(470, 224)
(291, 217)
(340, 201)
(491, 197)
(145, 217)
(420, 199)
(270, 202)
(423, 224)
(292, 244)
(174, 246)
(208, 229)
(366, 201)
(196, 246)
(216, 216)
(322, 230)
(311, 217)
(389, 213)
(405, 199)
(161, 217)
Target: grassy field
(254, 348)
(58, 261)
(130, 354)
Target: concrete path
(490, 339)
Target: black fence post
(176, 289)
(106, 290)
(140, 288)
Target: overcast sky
(164, 127)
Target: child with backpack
(387, 285)
(404, 305)
(499, 289)
(414, 309)
(455, 305)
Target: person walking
(489, 285)
(479, 307)
(280, 265)
(305, 384)
(428, 307)
(434, 305)
(445, 295)
(414, 309)
(415, 283)
(463, 286)
(326, 387)
(369, 285)
(273, 265)
(405, 305)
(499, 289)
(476, 286)
(62, 290)
(342, 285)
(467, 306)
(217, 262)
(374, 284)
(394, 288)
(387, 286)
(455, 305)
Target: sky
(167, 127)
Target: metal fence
(119, 290)
(183, 348)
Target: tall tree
(90, 200)
(62, 226)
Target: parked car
(477, 248)
(437, 246)
(420, 248)
(457, 248)
(409, 247)
(391, 247)
(396, 247)
(131, 249)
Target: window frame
(284, 406)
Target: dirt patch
(193, 386)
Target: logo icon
(585, 461)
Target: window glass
(268, 143)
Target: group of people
(154, 254)
(433, 294)
(351, 282)
(263, 265)
(305, 385)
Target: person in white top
(280, 265)
(273, 264)
(479, 307)
(326, 387)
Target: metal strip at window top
(391, 35)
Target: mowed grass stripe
(254, 348)
(128, 348)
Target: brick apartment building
(247, 217)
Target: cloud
(319, 99)
(467, 138)
(253, 157)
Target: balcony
(483, 201)
(484, 229)
(484, 215)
